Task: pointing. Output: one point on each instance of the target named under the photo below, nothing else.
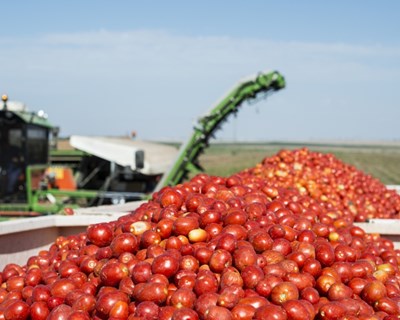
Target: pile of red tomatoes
(338, 186)
(273, 242)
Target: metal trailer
(42, 231)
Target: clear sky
(109, 67)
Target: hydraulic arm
(247, 89)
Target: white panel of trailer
(157, 157)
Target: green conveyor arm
(247, 89)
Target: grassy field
(381, 161)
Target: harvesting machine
(36, 178)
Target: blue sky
(109, 67)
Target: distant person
(14, 169)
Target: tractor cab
(24, 141)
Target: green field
(381, 161)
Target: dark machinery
(36, 180)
